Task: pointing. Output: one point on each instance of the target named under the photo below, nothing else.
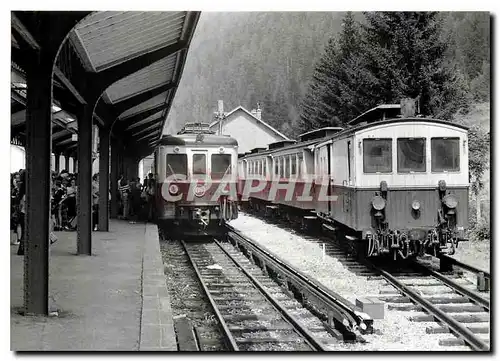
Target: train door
(348, 191)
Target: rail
(303, 331)
(231, 342)
(337, 307)
(467, 267)
(457, 287)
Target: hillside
(249, 57)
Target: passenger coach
(399, 186)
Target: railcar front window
(221, 165)
(377, 155)
(411, 155)
(199, 164)
(445, 154)
(177, 164)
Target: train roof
(319, 133)
(402, 120)
(198, 139)
(355, 129)
(379, 113)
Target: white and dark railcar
(399, 186)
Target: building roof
(139, 55)
(240, 108)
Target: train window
(177, 164)
(377, 155)
(288, 161)
(264, 167)
(294, 165)
(276, 167)
(445, 154)
(411, 155)
(199, 164)
(300, 160)
(221, 165)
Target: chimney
(258, 112)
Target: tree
(479, 144)
(333, 96)
(406, 53)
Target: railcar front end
(197, 183)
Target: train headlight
(173, 189)
(177, 149)
(450, 201)
(199, 191)
(378, 203)
(221, 150)
(415, 205)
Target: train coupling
(202, 216)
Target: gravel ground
(475, 253)
(394, 332)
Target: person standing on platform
(124, 189)
(22, 211)
(150, 190)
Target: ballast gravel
(393, 333)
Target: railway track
(449, 299)
(445, 299)
(188, 302)
(254, 313)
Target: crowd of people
(136, 202)
(136, 198)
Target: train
(391, 185)
(196, 181)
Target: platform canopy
(139, 56)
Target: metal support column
(114, 178)
(58, 162)
(84, 232)
(103, 179)
(66, 162)
(38, 159)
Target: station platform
(114, 300)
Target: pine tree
(406, 54)
(333, 97)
